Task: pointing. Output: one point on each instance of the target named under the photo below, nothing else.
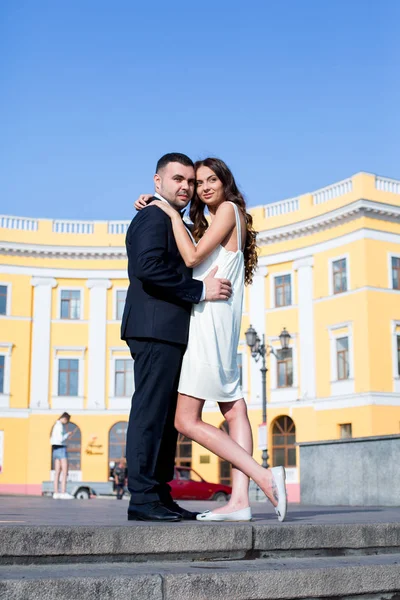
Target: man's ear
(157, 182)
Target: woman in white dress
(209, 368)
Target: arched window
(74, 448)
(183, 457)
(225, 467)
(117, 441)
(283, 442)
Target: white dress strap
(238, 225)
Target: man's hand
(217, 289)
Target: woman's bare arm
(222, 224)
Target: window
(284, 366)
(283, 290)
(342, 357)
(398, 355)
(124, 377)
(183, 457)
(2, 365)
(396, 272)
(74, 447)
(120, 303)
(3, 299)
(68, 376)
(70, 304)
(225, 467)
(117, 441)
(339, 274)
(345, 431)
(239, 358)
(284, 442)
(194, 476)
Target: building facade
(329, 271)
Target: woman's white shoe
(239, 515)
(280, 476)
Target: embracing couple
(182, 321)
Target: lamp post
(259, 349)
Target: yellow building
(329, 272)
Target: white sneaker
(56, 495)
(239, 515)
(65, 496)
(280, 477)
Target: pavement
(37, 510)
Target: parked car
(188, 485)
(81, 490)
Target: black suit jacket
(161, 289)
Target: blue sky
(293, 95)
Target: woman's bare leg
(236, 416)
(64, 473)
(57, 469)
(188, 422)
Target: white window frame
(272, 289)
(118, 402)
(71, 288)
(115, 304)
(68, 402)
(390, 256)
(8, 301)
(396, 374)
(330, 271)
(341, 387)
(284, 394)
(5, 350)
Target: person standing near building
(120, 478)
(59, 454)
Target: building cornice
(63, 252)
(355, 210)
(344, 214)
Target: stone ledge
(134, 540)
(236, 580)
(154, 542)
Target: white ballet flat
(239, 515)
(280, 477)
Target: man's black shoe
(152, 511)
(185, 514)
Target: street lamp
(259, 349)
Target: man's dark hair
(174, 157)
(66, 415)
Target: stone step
(193, 541)
(370, 577)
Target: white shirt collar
(156, 195)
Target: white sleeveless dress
(209, 368)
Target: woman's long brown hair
(232, 193)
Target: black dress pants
(151, 436)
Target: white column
(40, 352)
(304, 267)
(257, 320)
(97, 342)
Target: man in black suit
(155, 325)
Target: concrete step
(369, 577)
(193, 541)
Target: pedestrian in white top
(59, 453)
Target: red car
(188, 485)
